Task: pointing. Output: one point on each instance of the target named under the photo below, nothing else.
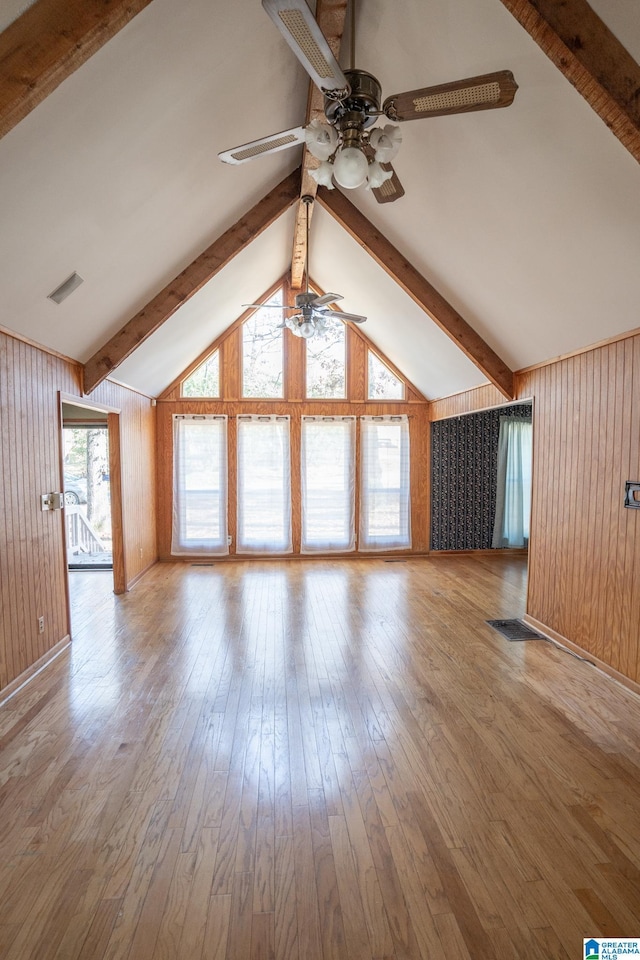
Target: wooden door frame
(112, 418)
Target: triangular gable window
(205, 379)
(382, 383)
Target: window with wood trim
(326, 362)
(385, 501)
(264, 485)
(199, 484)
(262, 352)
(383, 384)
(327, 468)
(205, 379)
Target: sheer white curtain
(385, 503)
(328, 484)
(513, 495)
(199, 522)
(264, 485)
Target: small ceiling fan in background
(313, 310)
(351, 150)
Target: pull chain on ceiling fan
(349, 151)
(313, 311)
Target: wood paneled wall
(294, 404)
(584, 559)
(137, 457)
(469, 401)
(32, 557)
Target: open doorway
(90, 471)
(87, 489)
(481, 479)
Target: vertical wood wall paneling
(632, 523)
(585, 545)
(32, 558)
(33, 578)
(138, 475)
(627, 520)
(469, 401)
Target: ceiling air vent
(62, 292)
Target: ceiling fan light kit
(348, 151)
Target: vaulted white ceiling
(526, 219)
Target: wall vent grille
(66, 288)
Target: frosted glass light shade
(377, 175)
(321, 139)
(323, 176)
(386, 142)
(307, 329)
(350, 168)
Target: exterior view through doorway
(87, 494)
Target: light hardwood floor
(316, 761)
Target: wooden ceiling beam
(192, 279)
(47, 43)
(330, 15)
(589, 55)
(418, 288)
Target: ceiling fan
(313, 310)
(348, 150)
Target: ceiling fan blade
(296, 23)
(391, 189)
(349, 317)
(327, 298)
(461, 96)
(256, 148)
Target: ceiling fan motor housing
(304, 299)
(361, 108)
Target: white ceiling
(527, 219)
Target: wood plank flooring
(316, 761)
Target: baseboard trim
(28, 675)
(600, 664)
(139, 576)
(304, 557)
(483, 552)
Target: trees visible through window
(383, 384)
(385, 505)
(328, 484)
(326, 362)
(262, 357)
(205, 379)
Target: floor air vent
(515, 630)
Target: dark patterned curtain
(464, 472)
